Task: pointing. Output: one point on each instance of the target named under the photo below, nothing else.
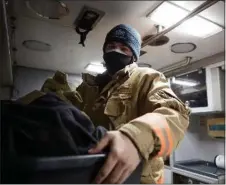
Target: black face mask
(116, 61)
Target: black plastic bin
(57, 170)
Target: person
(145, 119)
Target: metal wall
(197, 144)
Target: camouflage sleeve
(85, 90)
(79, 93)
(57, 83)
(163, 121)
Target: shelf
(193, 175)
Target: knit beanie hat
(127, 35)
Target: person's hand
(122, 159)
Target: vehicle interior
(184, 40)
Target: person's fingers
(101, 145)
(115, 174)
(106, 169)
(124, 176)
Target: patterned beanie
(127, 35)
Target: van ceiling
(68, 56)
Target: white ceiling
(70, 57)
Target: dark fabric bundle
(47, 127)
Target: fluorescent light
(168, 14)
(190, 5)
(199, 27)
(95, 67)
(184, 82)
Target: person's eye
(124, 49)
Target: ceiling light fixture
(48, 9)
(36, 45)
(183, 47)
(168, 14)
(184, 82)
(95, 67)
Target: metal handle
(196, 11)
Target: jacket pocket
(118, 108)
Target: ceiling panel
(161, 56)
(70, 57)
